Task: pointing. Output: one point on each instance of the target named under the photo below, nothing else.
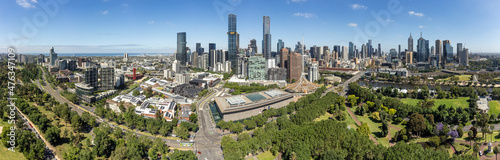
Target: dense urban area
(346, 101)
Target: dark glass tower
(266, 39)
(180, 56)
(232, 36)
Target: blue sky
(150, 26)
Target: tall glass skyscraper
(422, 49)
(266, 39)
(180, 56)
(53, 57)
(280, 46)
(232, 36)
(410, 43)
(351, 50)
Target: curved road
(207, 146)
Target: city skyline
(122, 26)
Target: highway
(172, 143)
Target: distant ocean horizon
(101, 54)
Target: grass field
(323, 117)
(350, 122)
(460, 78)
(459, 102)
(266, 156)
(6, 154)
(494, 107)
(374, 127)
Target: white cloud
(416, 14)
(305, 15)
(358, 6)
(105, 12)
(421, 26)
(151, 22)
(26, 4)
(297, 1)
(352, 25)
(389, 20)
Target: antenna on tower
(302, 54)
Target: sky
(151, 26)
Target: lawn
(266, 156)
(460, 78)
(374, 127)
(459, 102)
(6, 154)
(350, 122)
(494, 107)
(323, 117)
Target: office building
(125, 57)
(464, 57)
(410, 43)
(212, 56)
(344, 53)
(232, 39)
(194, 59)
(351, 50)
(276, 74)
(107, 78)
(280, 46)
(422, 49)
(379, 53)
(253, 47)
(298, 48)
(182, 78)
(295, 62)
(439, 52)
(62, 64)
(370, 48)
(211, 46)
(72, 65)
(53, 57)
(242, 66)
(266, 37)
(91, 77)
(256, 68)
(120, 80)
(447, 51)
(409, 57)
(459, 51)
(284, 58)
(181, 53)
(313, 73)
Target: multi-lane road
(172, 143)
(207, 146)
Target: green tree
(471, 137)
(352, 99)
(193, 118)
(364, 129)
(182, 132)
(417, 123)
(52, 134)
(183, 155)
(136, 93)
(250, 124)
(496, 151)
